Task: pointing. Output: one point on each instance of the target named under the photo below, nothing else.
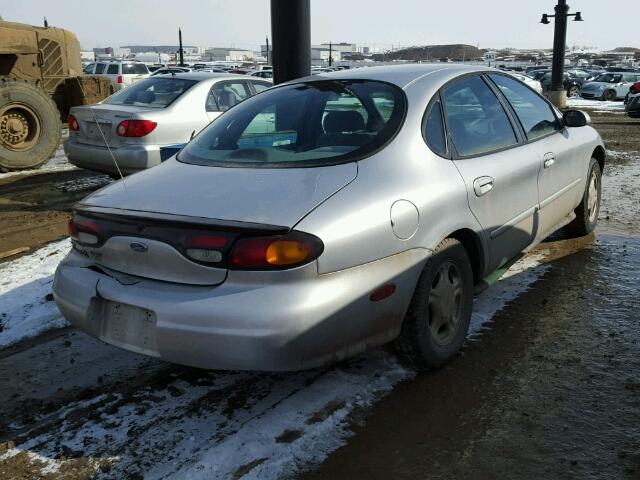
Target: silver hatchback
(330, 215)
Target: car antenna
(104, 139)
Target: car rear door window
(261, 86)
(535, 114)
(224, 95)
(434, 129)
(476, 119)
(112, 69)
(100, 68)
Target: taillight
(119, 79)
(635, 88)
(205, 248)
(72, 121)
(84, 230)
(135, 128)
(275, 252)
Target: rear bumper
(130, 158)
(255, 320)
(633, 106)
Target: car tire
(437, 321)
(587, 212)
(609, 95)
(573, 91)
(30, 127)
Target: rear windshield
(134, 69)
(305, 124)
(156, 92)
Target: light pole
(290, 39)
(556, 93)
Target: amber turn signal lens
(287, 252)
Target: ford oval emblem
(138, 247)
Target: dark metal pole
(330, 54)
(559, 43)
(180, 50)
(267, 39)
(291, 39)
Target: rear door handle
(549, 159)
(482, 185)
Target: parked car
(329, 215)
(572, 82)
(122, 74)
(632, 101)
(527, 80)
(609, 86)
(134, 124)
(171, 70)
(261, 74)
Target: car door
(225, 94)
(500, 174)
(112, 72)
(626, 81)
(561, 177)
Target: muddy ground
(550, 388)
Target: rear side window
(261, 86)
(434, 129)
(155, 92)
(100, 68)
(113, 69)
(535, 115)
(475, 118)
(309, 124)
(134, 69)
(224, 95)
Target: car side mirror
(576, 118)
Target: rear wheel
(609, 95)
(573, 91)
(29, 126)
(438, 318)
(587, 212)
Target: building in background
(222, 54)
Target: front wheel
(609, 95)
(573, 91)
(587, 212)
(437, 321)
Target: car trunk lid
(98, 123)
(161, 208)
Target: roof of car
(401, 75)
(199, 76)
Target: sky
(385, 23)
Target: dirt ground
(550, 389)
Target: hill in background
(456, 53)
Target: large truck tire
(30, 126)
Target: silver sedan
(147, 122)
(330, 215)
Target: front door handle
(549, 159)
(482, 185)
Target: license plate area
(93, 130)
(126, 326)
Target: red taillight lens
(135, 128)
(276, 252)
(72, 121)
(635, 88)
(84, 230)
(119, 79)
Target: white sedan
(534, 84)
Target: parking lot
(548, 386)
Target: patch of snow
(596, 105)
(24, 284)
